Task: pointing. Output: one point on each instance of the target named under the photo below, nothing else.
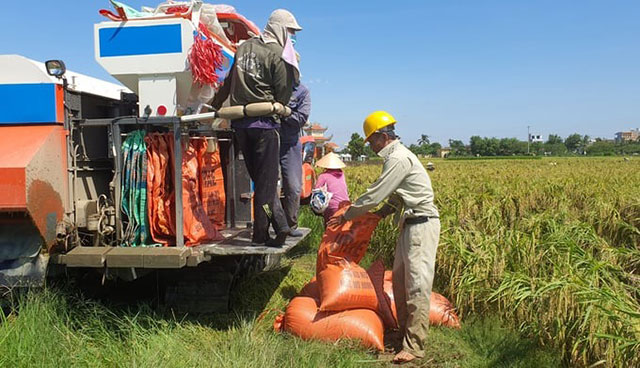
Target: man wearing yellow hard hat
(405, 182)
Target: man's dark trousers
(260, 148)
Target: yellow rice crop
(552, 249)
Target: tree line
(555, 145)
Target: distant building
(346, 157)
(444, 152)
(630, 136)
(535, 138)
(330, 147)
(317, 132)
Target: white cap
(285, 18)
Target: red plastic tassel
(205, 58)
(177, 9)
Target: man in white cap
(264, 70)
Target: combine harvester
(63, 167)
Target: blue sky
(449, 69)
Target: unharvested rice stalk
(555, 250)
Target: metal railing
(177, 126)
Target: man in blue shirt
(291, 154)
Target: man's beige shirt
(402, 175)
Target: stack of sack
(344, 300)
(202, 190)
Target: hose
(134, 191)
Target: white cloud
(316, 81)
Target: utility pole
(528, 138)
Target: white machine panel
(150, 57)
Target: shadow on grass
(288, 292)
(312, 241)
(143, 298)
(486, 342)
(85, 291)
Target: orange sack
(197, 226)
(161, 194)
(385, 304)
(160, 188)
(303, 319)
(344, 286)
(212, 187)
(347, 241)
(441, 311)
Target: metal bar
(117, 148)
(227, 188)
(68, 124)
(130, 120)
(177, 172)
(197, 117)
(79, 168)
(231, 199)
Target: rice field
(552, 247)
(541, 259)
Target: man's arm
(223, 93)
(393, 204)
(301, 109)
(393, 172)
(283, 78)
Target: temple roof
(316, 127)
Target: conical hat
(330, 161)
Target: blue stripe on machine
(28, 103)
(142, 40)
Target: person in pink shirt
(333, 179)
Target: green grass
(541, 260)
(59, 327)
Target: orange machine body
(33, 175)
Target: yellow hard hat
(376, 121)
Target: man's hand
(281, 110)
(336, 221)
(385, 211)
